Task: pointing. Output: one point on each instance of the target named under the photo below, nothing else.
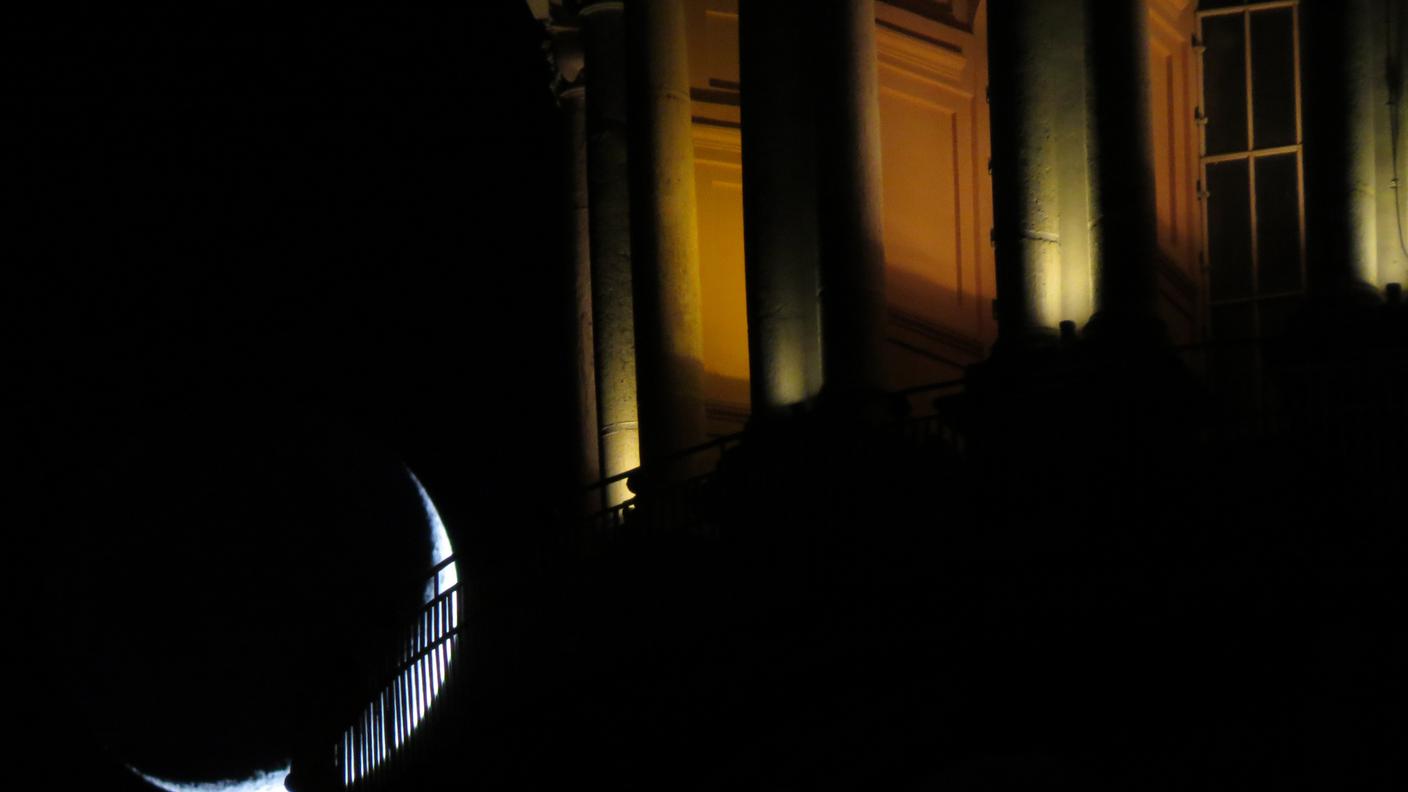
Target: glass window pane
(1229, 230)
(1225, 84)
(1277, 224)
(1273, 78)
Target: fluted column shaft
(608, 191)
(779, 207)
(665, 242)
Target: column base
(1341, 318)
(1353, 329)
(1025, 342)
(859, 406)
(1127, 334)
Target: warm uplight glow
(789, 377)
(272, 781)
(719, 187)
(621, 455)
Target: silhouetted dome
(248, 574)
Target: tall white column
(665, 236)
(572, 104)
(609, 198)
(1034, 56)
(779, 206)
(1073, 189)
(849, 209)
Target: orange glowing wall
(937, 197)
(937, 190)
(712, 29)
(1173, 97)
(937, 194)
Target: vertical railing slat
(373, 750)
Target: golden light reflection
(620, 453)
(719, 190)
(937, 190)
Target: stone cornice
(562, 47)
(952, 13)
(1175, 5)
(937, 60)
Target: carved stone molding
(563, 46)
(953, 13)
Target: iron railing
(1245, 401)
(929, 417)
(388, 733)
(665, 499)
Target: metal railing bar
(933, 386)
(717, 442)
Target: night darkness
(266, 258)
(263, 262)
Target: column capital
(850, 218)
(563, 46)
(565, 55)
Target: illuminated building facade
(915, 214)
(965, 394)
(1157, 240)
(1209, 131)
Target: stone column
(1030, 43)
(1338, 75)
(1393, 268)
(1398, 138)
(1123, 234)
(1073, 168)
(664, 222)
(572, 104)
(609, 197)
(852, 252)
(779, 206)
(1073, 188)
